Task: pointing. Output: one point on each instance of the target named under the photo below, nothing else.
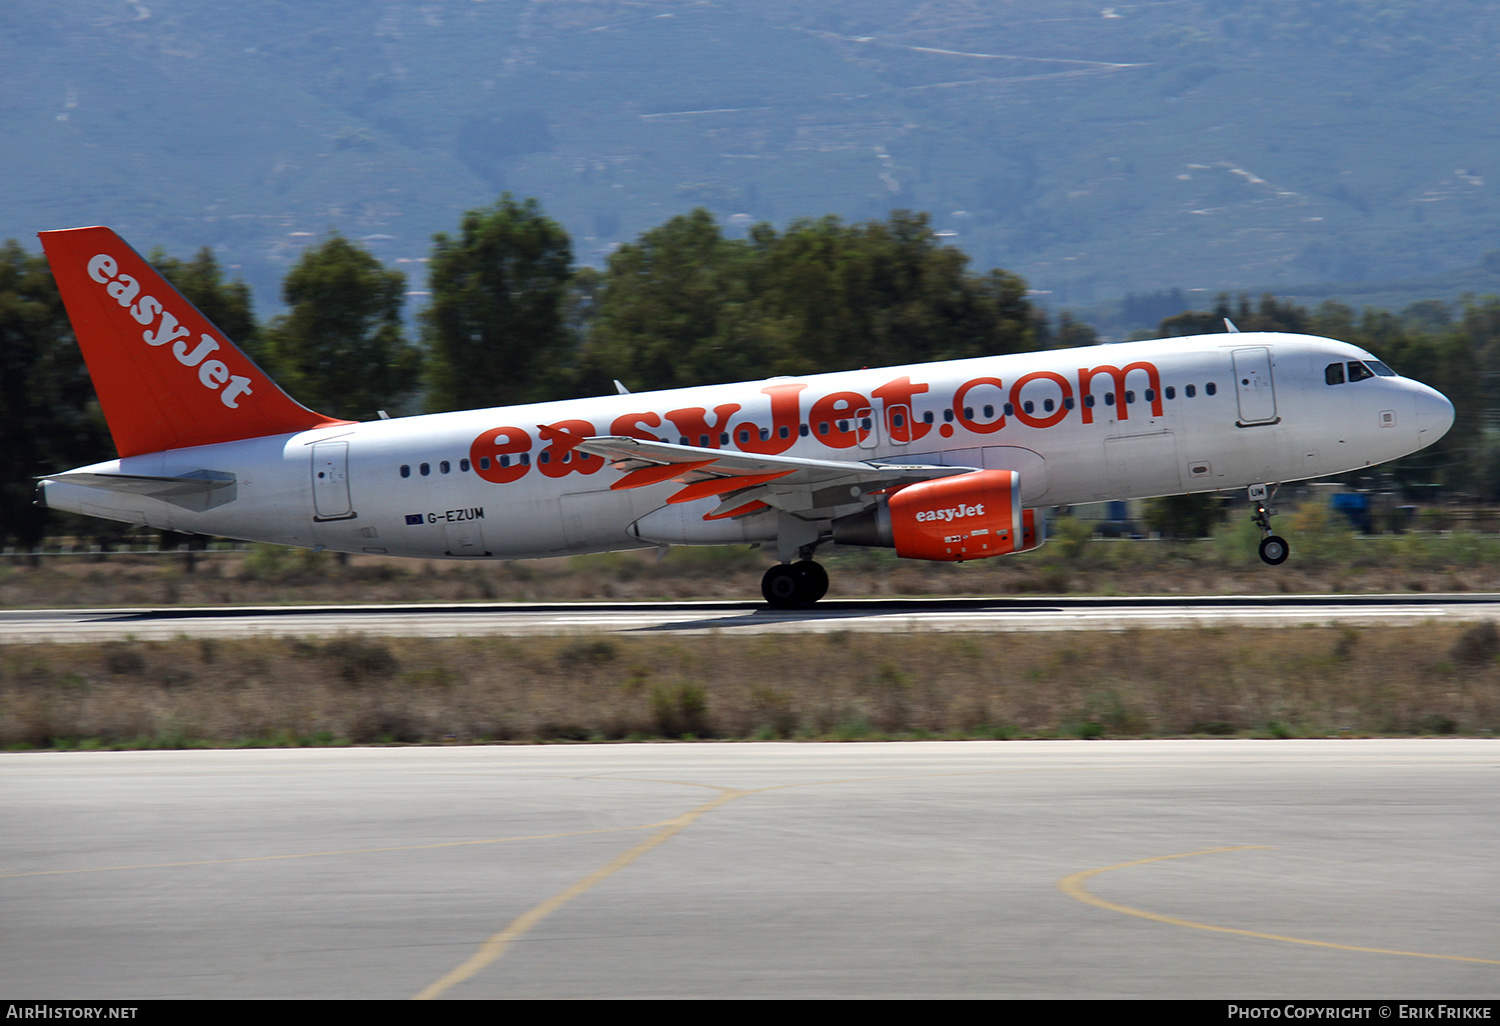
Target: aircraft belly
(683, 524)
(1142, 465)
(1026, 462)
(598, 520)
(466, 517)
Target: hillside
(1097, 150)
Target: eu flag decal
(413, 518)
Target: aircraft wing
(747, 483)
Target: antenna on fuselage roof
(620, 389)
(1229, 327)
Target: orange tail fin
(166, 377)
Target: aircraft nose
(1434, 414)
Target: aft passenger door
(330, 481)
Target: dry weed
(353, 690)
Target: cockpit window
(1334, 374)
(1380, 368)
(1358, 371)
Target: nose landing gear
(1273, 548)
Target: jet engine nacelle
(970, 516)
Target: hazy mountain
(1096, 149)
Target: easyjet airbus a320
(940, 461)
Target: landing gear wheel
(814, 579)
(1274, 550)
(794, 585)
(783, 588)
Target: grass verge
(1304, 682)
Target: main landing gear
(794, 585)
(1273, 548)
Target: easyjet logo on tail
(149, 311)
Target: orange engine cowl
(1033, 531)
(970, 516)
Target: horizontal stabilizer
(197, 490)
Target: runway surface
(882, 615)
(1233, 869)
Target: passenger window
(1171, 392)
(802, 430)
(1047, 405)
(424, 470)
(989, 412)
(1358, 371)
(405, 470)
(947, 416)
(1088, 401)
(1333, 374)
(1210, 388)
(1191, 391)
(822, 427)
(1010, 410)
(1129, 396)
(1150, 395)
(784, 431)
(463, 465)
(1028, 406)
(1109, 398)
(1067, 402)
(927, 417)
(444, 467)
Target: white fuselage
(1106, 422)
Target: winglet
(166, 377)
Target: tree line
(512, 318)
